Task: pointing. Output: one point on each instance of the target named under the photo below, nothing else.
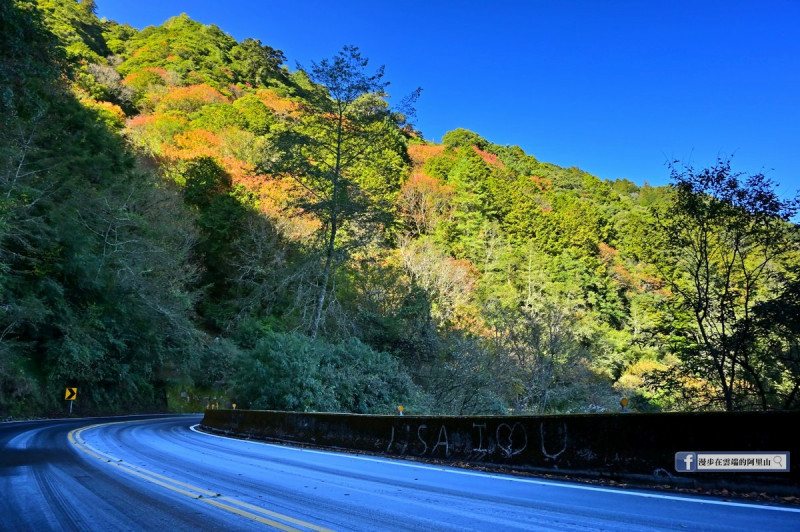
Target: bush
(290, 371)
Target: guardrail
(623, 447)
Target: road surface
(161, 474)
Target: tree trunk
(331, 246)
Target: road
(161, 474)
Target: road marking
(415, 465)
(193, 492)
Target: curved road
(151, 473)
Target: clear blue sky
(614, 87)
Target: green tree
(257, 117)
(472, 205)
(723, 239)
(256, 63)
(464, 138)
(220, 217)
(777, 329)
(346, 152)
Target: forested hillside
(185, 220)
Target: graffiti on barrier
(481, 427)
(562, 430)
(442, 441)
(419, 437)
(484, 439)
(512, 439)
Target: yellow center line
(212, 498)
(275, 514)
(130, 467)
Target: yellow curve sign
(71, 394)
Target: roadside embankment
(622, 447)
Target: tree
(464, 138)
(777, 324)
(724, 238)
(537, 338)
(346, 150)
(256, 63)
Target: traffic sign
(71, 394)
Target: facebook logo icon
(685, 462)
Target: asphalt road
(160, 474)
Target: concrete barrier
(623, 447)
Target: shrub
(291, 371)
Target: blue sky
(616, 88)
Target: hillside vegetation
(186, 221)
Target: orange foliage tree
(420, 153)
(423, 200)
(191, 98)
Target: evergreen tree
(338, 151)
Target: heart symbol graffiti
(511, 439)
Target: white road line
(415, 465)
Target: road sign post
(70, 395)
